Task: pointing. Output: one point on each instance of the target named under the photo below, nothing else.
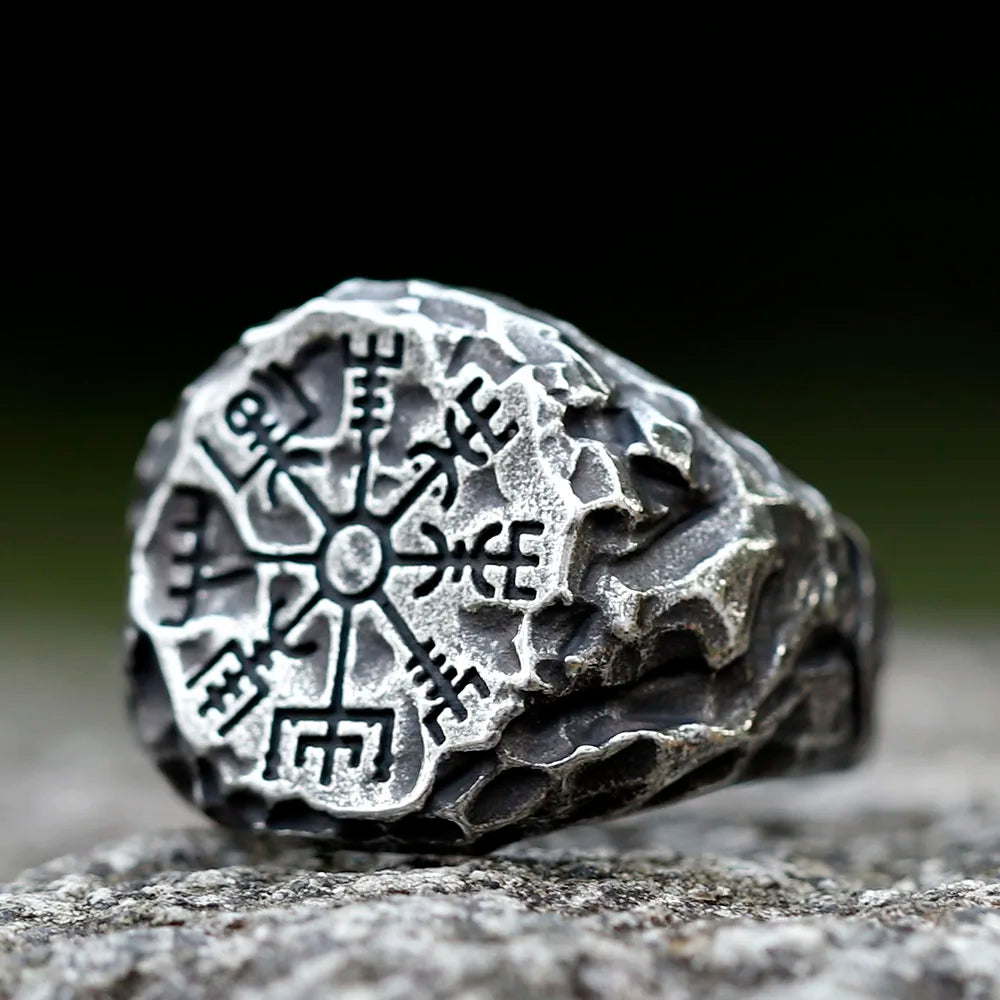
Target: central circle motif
(354, 559)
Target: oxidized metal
(415, 567)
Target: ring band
(416, 568)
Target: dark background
(813, 255)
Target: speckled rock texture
(882, 883)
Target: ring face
(416, 567)
(335, 569)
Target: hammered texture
(415, 567)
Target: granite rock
(814, 911)
(882, 883)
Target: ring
(417, 568)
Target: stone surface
(879, 883)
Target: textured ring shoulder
(418, 568)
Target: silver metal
(415, 567)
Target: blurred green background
(901, 438)
(818, 268)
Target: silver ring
(418, 568)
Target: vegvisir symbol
(352, 560)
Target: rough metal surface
(417, 567)
(878, 883)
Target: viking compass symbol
(349, 567)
